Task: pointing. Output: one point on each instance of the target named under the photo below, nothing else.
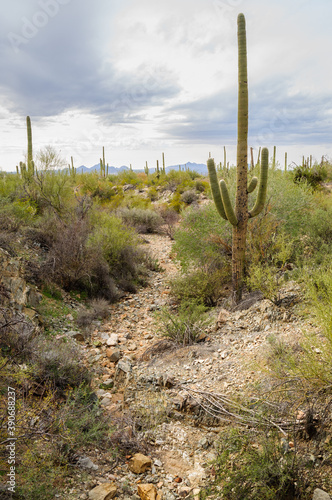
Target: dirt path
(158, 389)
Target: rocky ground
(138, 373)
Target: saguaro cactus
(30, 162)
(239, 217)
(102, 164)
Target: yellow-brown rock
(104, 491)
(139, 463)
(148, 492)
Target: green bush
(202, 238)
(186, 326)
(203, 286)
(313, 176)
(255, 468)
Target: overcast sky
(142, 77)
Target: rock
(222, 318)
(113, 354)
(148, 492)
(112, 340)
(108, 383)
(104, 491)
(139, 463)
(184, 491)
(320, 495)
(76, 335)
(132, 346)
(34, 298)
(106, 401)
(196, 493)
(124, 365)
(86, 463)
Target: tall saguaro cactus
(30, 162)
(239, 217)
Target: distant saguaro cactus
(102, 164)
(239, 217)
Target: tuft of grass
(185, 327)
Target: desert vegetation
(78, 242)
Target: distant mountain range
(200, 168)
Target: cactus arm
(261, 196)
(252, 185)
(227, 204)
(215, 188)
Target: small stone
(86, 463)
(106, 401)
(104, 491)
(184, 491)
(124, 365)
(132, 346)
(139, 463)
(112, 340)
(113, 354)
(76, 335)
(320, 495)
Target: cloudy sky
(142, 77)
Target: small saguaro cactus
(239, 217)
(146, 169)
(274, 157)
(72, 169)
(164, 168)
(102, 164)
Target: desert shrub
(252, 469)
(178, 180)
(189, 196)
(152, 193)
(201, 186)
(144, 221)
(57, 364)
(10, 185)
(112, 237)
(203, 286)
(202, 237)
(175, 203)
(186, 326)
(129, 177)
(82, 418)
(118, 245)
(170, 218)
(49, 190)
(16, 334)
(313, 176)
(69, 261)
